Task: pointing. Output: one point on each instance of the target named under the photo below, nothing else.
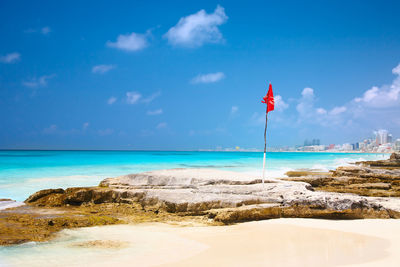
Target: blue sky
(191, 74)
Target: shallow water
(25, 172)
(252, 244)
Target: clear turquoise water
(24, 172)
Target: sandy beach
(299, 242)
(208, 217)
(277, 242)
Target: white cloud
(337, 110)
(130, 42)
(45, 30)
(379, 106)
(161, 125)
(368, 95)
(307, 92)
(234, 110)
(101, 69)
(376, 108)
(384, 96)
(380, 97)
(155, 112)
(85, 126)
(10, 58)
(305, 107)
(151, 97)
(111, 100)
(308, 113)
(376, 102)
(396, 70)
(197, 29)
(42, 81)
(280, 105)
(208, 78)
(132, 97)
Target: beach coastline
(211, 216)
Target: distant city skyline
(142, 75)
(382, 141)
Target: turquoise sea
(24, 172)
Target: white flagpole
(265, 143)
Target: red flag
(269, 99)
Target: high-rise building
(347, 147)
(313, 142)
(362, 145)
(397, 145)
(390, 138)
(381, 137)
(356, 146)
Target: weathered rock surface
(300, 173)
(206, 196)
(24, 224)
(31, 223)
(370, 178)
(271, 211)
(196, 191)
(395, 157)
(392, 163)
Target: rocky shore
(368, 178)
(208, 197)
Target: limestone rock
(392, 163)
(205, 195)
(395, 156)
(370, 178)
(195, 191)
(43, 193)
(301, 173)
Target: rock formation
(369, 178)
(210, 197)
(196, 191)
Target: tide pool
(25, 172)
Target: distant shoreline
(233, 151)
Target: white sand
(280, 242)
(299, 242)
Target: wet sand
(278, 242)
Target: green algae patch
(300, 173)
